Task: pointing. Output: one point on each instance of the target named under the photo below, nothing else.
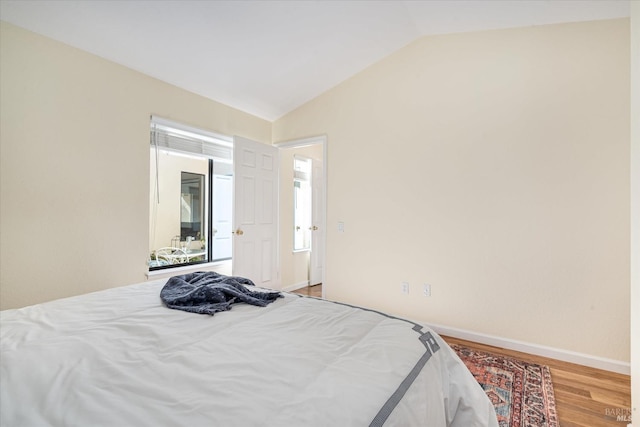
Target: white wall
(494, 166)
(74, 166)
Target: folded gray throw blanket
(209, 292)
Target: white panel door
(255, 213)
(317, 220)
(222, 217)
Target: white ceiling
(269, 57)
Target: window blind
(173, 136)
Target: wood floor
(585, 397)
(310, 291)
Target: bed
(120, 357)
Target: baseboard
(296, 286)
(539, 350)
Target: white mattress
(120, 358)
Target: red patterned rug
(521, 392)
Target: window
(190, 196)
(301, 203)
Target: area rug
(521, 392)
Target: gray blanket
(209, 293)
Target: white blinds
(173, 136)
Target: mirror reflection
(191, 196)
(191, 206)
(178, 226)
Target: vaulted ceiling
(269, 57)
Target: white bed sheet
(120, 358)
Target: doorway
(302, 248)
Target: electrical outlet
(426, 290)
(404, 287)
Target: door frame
(313, 140)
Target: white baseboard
(539, 350)
(296, 286)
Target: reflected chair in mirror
(154, 261)
(171, 255)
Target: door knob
(314, 228)
(238, 232)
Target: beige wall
(294, 266)
(635, 210)
(494, 166)
(74, 195)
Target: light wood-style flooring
(310, 291)
(585, 397)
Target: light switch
(341, 226)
